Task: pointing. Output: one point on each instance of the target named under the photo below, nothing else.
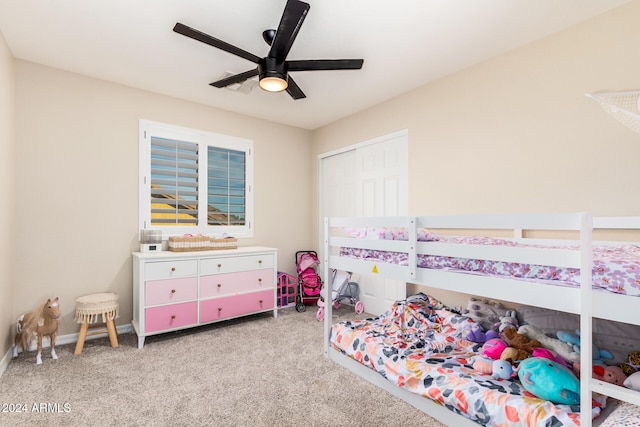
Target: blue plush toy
(600, 356)
(549, 380)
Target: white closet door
(339, 185)
(382, 190)
(368, 180)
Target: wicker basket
(200, 243)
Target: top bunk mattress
(616, 268)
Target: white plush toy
(563, 349)
(633, 381)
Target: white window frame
(149, 129)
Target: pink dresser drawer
(170, 316)
(233, 283)
(171, 290)
(220, 308)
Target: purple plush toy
(475, 333)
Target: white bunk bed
(578, 300)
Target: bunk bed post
(326, 292)
(413, 256)
(586, 323)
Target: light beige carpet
(258, 371)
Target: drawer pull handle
(260, 301)
(259, 261)
(219, 265)
(173, 316)
(173, 291)
(260, 280)
(219, 308)
(219, 285)
(173, 269)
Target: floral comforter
(615, 268)
(420, 349)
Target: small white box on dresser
(178, 290)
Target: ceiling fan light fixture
(274, 83)
(273, 75)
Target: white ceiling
(405, 44)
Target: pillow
(624, 415)
(617, 338)
(487, 313)
(633, 381)
(425, 235)
(390, 233)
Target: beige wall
(516, 133)
(7, 190)
(77, 184)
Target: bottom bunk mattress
(420, 348)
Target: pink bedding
(615, 268)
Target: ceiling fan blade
(236, 78)
(292, 18)
(212, 41)
(325, 64)
(294, 90)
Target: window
(195, 182)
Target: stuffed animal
(548, 354)
(508, 321)
(498, 369)
(475, 333)
(600, 357)
(633, 381)
(502, 370)
(493, 348)
(520, 342)
(561, 348)
(549, 381)
(609, 374)
(513, 355)
(632, 364)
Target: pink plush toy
(608, 374)
(493, 348)
(548, 354)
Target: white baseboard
(5, 360)
(73, 338)
(62, 340)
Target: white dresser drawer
(170, 269)
(235, 264)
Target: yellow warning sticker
(375, 269)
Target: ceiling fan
(273, 70)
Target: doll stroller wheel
(320, 314)
(300, 307)
(359, 307)
(336, 304)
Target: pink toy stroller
(342, 289)
(309, 281)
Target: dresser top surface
(241, 250)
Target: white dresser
(178, 290)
